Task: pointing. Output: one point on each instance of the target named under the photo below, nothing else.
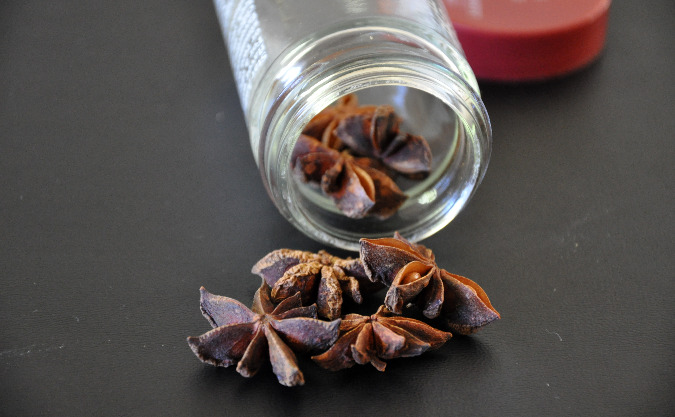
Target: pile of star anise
(298, 309)
(353, 153)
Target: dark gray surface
(128, 182)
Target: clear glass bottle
(293, 58)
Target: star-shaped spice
(317, 277)
(322, 126)
(247, 337)
(358, 189)
(376, 135)
(382, 336)
(411, 272)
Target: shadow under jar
(292, 59)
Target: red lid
(517, 40)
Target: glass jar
(293, 58)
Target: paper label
(241, 29)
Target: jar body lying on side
(292, 59)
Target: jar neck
(318, 73)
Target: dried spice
(323, 125)
(382, 336)
(353, 152)
(357, 188)
(411, 272)
(247, 337)
(376, 135)
(321, 278)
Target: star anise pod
(357, 188)
(321, 278)
(247, 337)
(376, 135)
(322, 126)
(413, 276)
(382, 336)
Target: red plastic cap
(522, 40)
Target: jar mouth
(394, 70)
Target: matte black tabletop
(127, 182)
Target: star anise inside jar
(323, 125)
(379, 337)
(354, 154)
(413, 277)
(249, 337)
(376, 135)
(356, 188)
